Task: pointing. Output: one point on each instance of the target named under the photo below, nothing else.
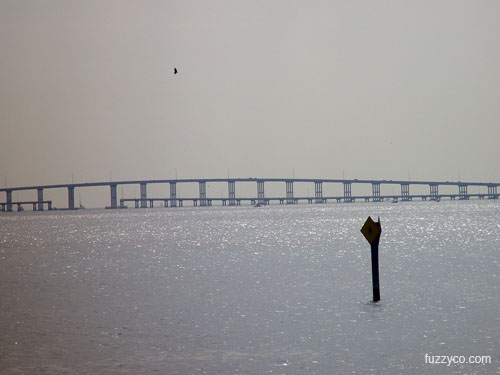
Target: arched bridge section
(404, 189)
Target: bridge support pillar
(40, 198)
(173, 194)
(318, 191)
(144, 195)
(113, 196)
(347, 192)
(492, 192)
(9, 200)
(231, 186)
(405, 192)
(71, 197)
(434, 192)
(289, 192)
(260, 192)
(376, 191)
(462, 192)
(203, 193)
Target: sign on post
(372, 230)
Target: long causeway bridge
(260, 198)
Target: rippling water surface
(279, 289)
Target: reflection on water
(242, 290)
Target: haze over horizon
(322, 89)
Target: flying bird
(175, 70)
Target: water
(270, 290)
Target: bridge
(232, 200)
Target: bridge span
(232, 200)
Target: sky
(316, 89)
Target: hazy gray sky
(371, 89)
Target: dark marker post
(375, 279)
(372, 230)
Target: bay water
(245, 290)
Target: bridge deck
(226, 180)
(260, 194)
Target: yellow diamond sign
(370, 230)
